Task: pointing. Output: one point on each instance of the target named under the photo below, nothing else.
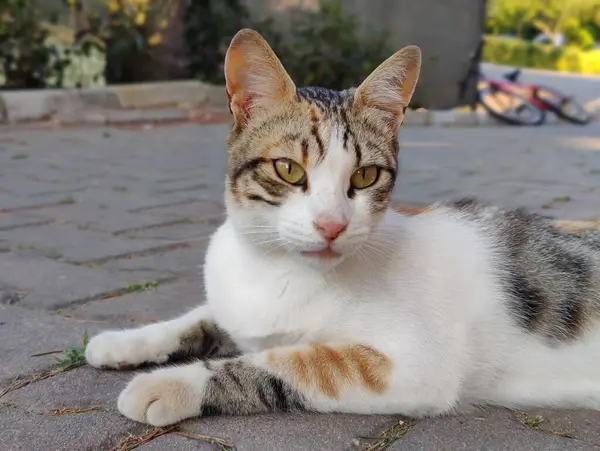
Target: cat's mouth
(324, 253)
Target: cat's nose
(330, 228)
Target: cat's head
(310, 170)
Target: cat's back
(550, 278)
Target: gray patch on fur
(552, 277)
(325, 98)
(239, 388)
(204, 340)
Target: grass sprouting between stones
(134, 441)
(389, 436)
(530, 422)
(73, 356)
(133, 287)
(70, 410)
(536, 424)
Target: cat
(323, 298)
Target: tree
(553, 16)
(550, 17)
(509, 16)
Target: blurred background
(84, 43)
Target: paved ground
(106, 227)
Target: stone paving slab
(25, 332)
(177, 442)
(180, 261)
(94, 431)
(197, 209)
(578, 424)
(90, 217)
(32, 186)
(72, 244)
(44, 283)
(9, 202)
(157, 304)
(80, 388)
(20, 219)
(292, 432)
(493, 430)
(178, 230)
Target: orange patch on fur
(331, 369)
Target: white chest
(262, 306)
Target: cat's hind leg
(561, 376)
(191, 335)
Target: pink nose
(330, 228)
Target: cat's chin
(322, 259)
(325, 254)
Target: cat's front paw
(165, 396)
(128, 348)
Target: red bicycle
(526, 96)
(502, 100)
(517, 103)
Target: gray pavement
(104, 227)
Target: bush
(514, 52)
(326, 47)
(27, 61)
(209, 27)
(329, 48)
(129, 39)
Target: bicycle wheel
(564, 107)
(510, 107)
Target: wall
(448, 31)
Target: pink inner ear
(243, 107)
(228, 101)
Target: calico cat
(320, 297)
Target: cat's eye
(364, 177)
(290, 171)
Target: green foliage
(525, 18)
(326, 47)
(133, 30)
(330, 48)
(514, 52)
(132, 287)
(209, 27)
(27, 61)
(509, 16)
(576, 35)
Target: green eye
(364, 177)
(290, 171)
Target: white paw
(165, 396)
(129, 348)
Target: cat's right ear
(255, 77)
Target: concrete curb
(459, 118)
(173, 102)
(87, 105)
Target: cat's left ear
(391, 85)
(255, 77)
